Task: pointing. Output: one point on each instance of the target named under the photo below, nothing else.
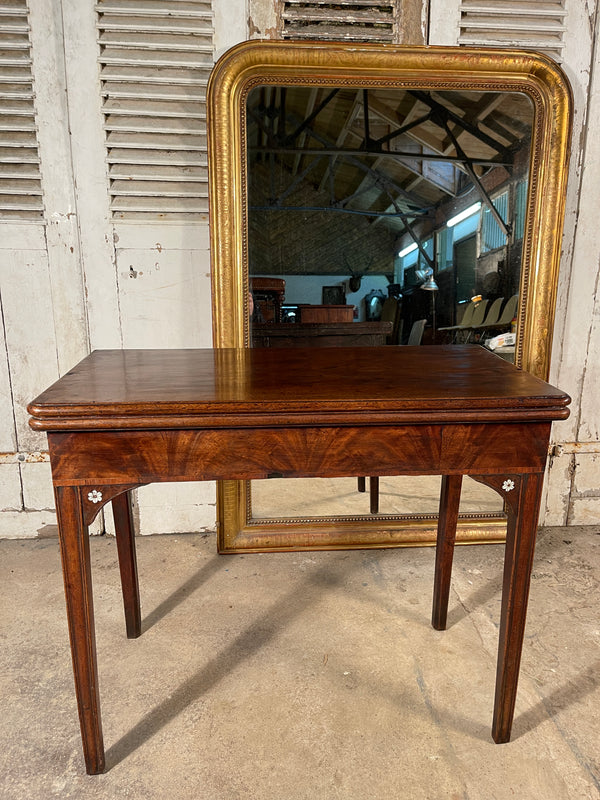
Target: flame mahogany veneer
(124, 418)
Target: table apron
(138, 456)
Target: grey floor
(302, 675)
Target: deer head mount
(356, 275)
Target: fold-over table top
(118, 389)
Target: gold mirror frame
(256, 63)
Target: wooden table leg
(444, 552)
(373, 495)
(75, 553)
(121, 505)
(518, 561)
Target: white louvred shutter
(530, 24)
(20, 183)
(352, 20)
(155, 57)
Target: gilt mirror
(375, 195)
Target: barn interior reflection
(370, 205)
(383, 216)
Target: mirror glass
(383, 216)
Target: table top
(224, 387)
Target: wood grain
(518, 561)
(469, 449)
(250, 387)
(125, 535)
(77, 573)
(181, 455)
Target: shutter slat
(155, 60)
(17, 202)
(158, 8)
(153, 93)
(153, 25)
(152, 172)
(9, 59)
(21, 170)
(526, 42)
(25, 186)
(131, 188)
(350, 17)
(151, 141)
(21, 215)
(510, 13)
(192, 41)
(16, 75)
(13, 106)
(18, 138)
(160, 205)
(14, 7)
(338, 32)
(14, 155)
(156, 158)
(14, 27)
(525, 26)
(15, 43)
(154, 125)
(166, 77)
(18, 123)
(153, 108)
(10, 91)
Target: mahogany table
(124, 418)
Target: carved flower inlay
(508, 485)
(95, 496)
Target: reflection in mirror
(383, 216)
(372, 209)
(405, 496)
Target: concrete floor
(302, 675)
